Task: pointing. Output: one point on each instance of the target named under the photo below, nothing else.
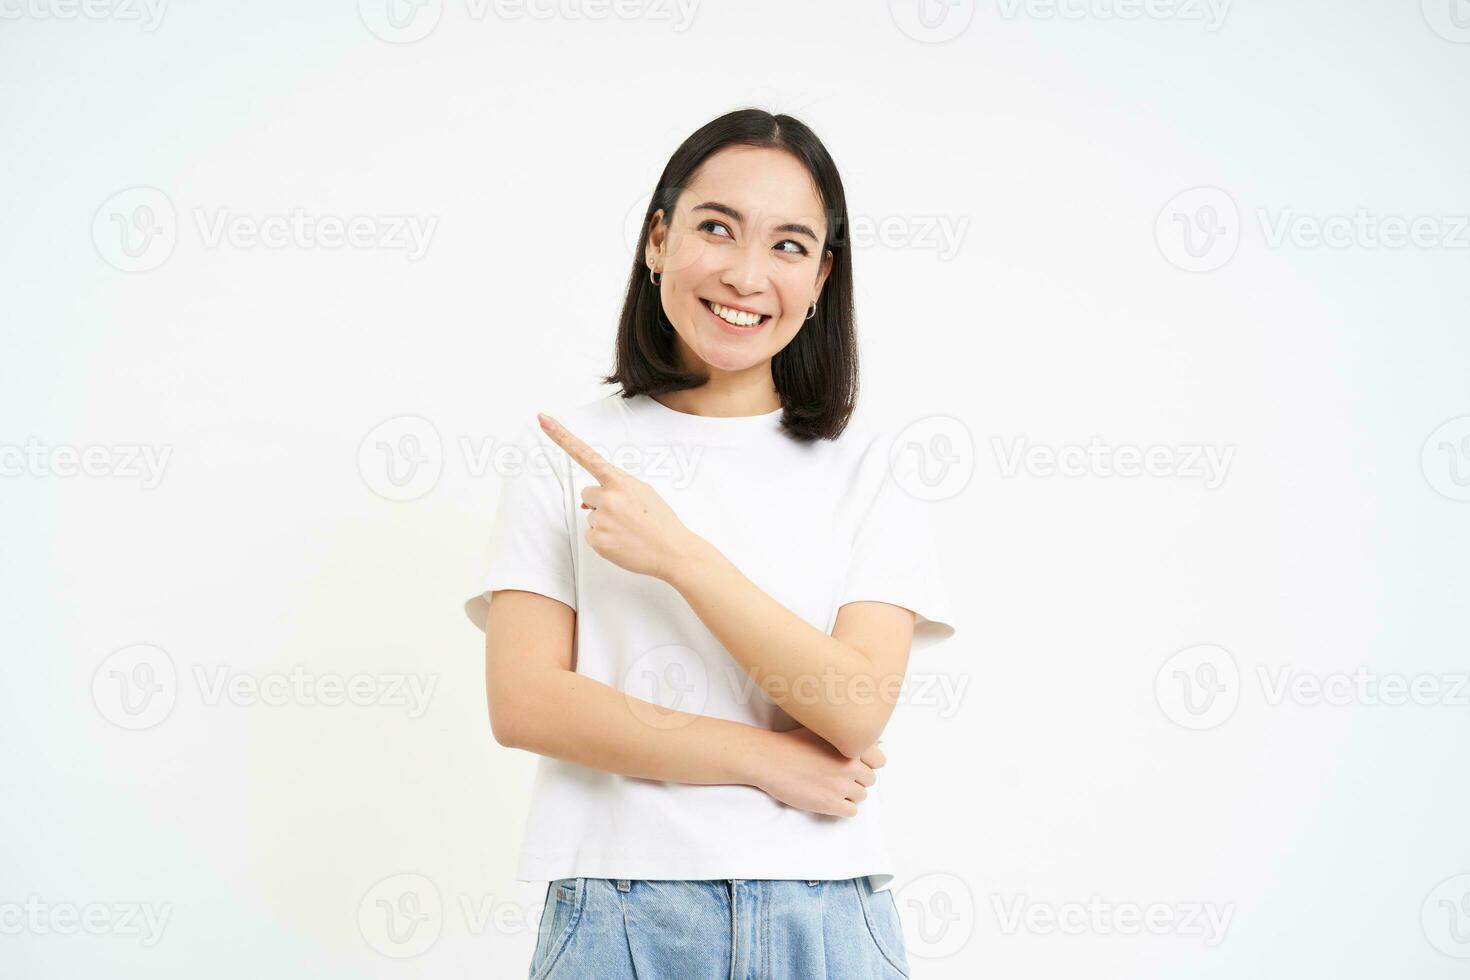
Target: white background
(1054, 143)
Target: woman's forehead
(763, 185)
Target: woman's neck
(723, 397)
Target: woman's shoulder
(871, 431)
(906, 443)
(576, 415)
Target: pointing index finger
(583, 454)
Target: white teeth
(735, 316)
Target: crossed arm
(842, 687)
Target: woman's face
(746, 235)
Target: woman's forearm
(572, 717)
(816, 678)
(819, 680)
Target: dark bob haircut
(816, 375)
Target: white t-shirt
(814, 526)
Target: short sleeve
(894, 556)
(530, 542)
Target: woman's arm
(843, 686)
(540, 704)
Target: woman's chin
(730, 353)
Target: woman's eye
(796, 248)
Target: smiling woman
(749, 217)
(705, 659)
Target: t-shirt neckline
(721, 426)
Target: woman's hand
(803, 770)
(630, 524)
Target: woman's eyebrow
(725, 209)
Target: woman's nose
(746, 272)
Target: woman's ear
(822, 272)
(653, 252)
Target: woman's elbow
(505, 732)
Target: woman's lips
(730, 327)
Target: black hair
(816, 374)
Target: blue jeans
(718, 929)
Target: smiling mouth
(764, 318)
